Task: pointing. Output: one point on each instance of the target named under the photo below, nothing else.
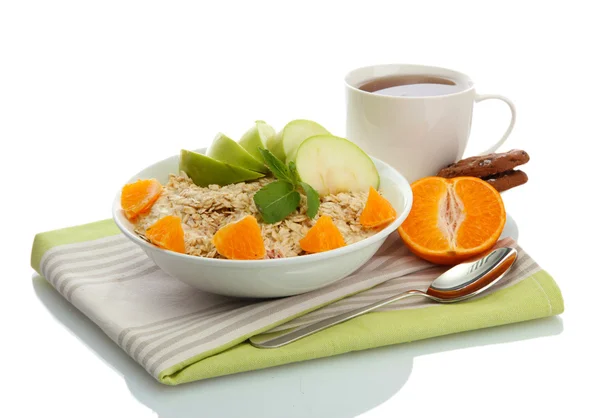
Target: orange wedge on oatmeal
(452, 220)
(378, 211)
(138, 197)
(323, 236)
(167, 233)
(241, 240)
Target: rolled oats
(204, 210)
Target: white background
(90, 92)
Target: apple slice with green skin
(204, 170)
(275, 145)
(333, 165)
(257, 137)
(295, 132)
(228, 151)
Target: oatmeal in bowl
(298, 226)
(205, 210)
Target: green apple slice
(333, 165)
(228, 151)
(205, 171)
(257, 137)
(275, 145)
(297, 131)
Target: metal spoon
(461, 282)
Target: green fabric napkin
(180, 334)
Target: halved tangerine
(452, 220)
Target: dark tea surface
(412, 85)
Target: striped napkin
(180, 334)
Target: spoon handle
(296, 334)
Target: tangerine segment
(378, 211)
(323, 236)
(452, 220)
(167, 233)
(138, 197)
(241, 240)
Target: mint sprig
(294, 172)
(277, 200)
(312, 199)
(277, 167)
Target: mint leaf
(294, 172)
(312, 198)
(277, 167)
(276, 200)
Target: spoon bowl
(470, 278)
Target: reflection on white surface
(332, 387)
(510, 229)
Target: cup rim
(434, 69)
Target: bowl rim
(223, 262)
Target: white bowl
(273, 277)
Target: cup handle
(513, 111)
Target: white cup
(417, 135)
